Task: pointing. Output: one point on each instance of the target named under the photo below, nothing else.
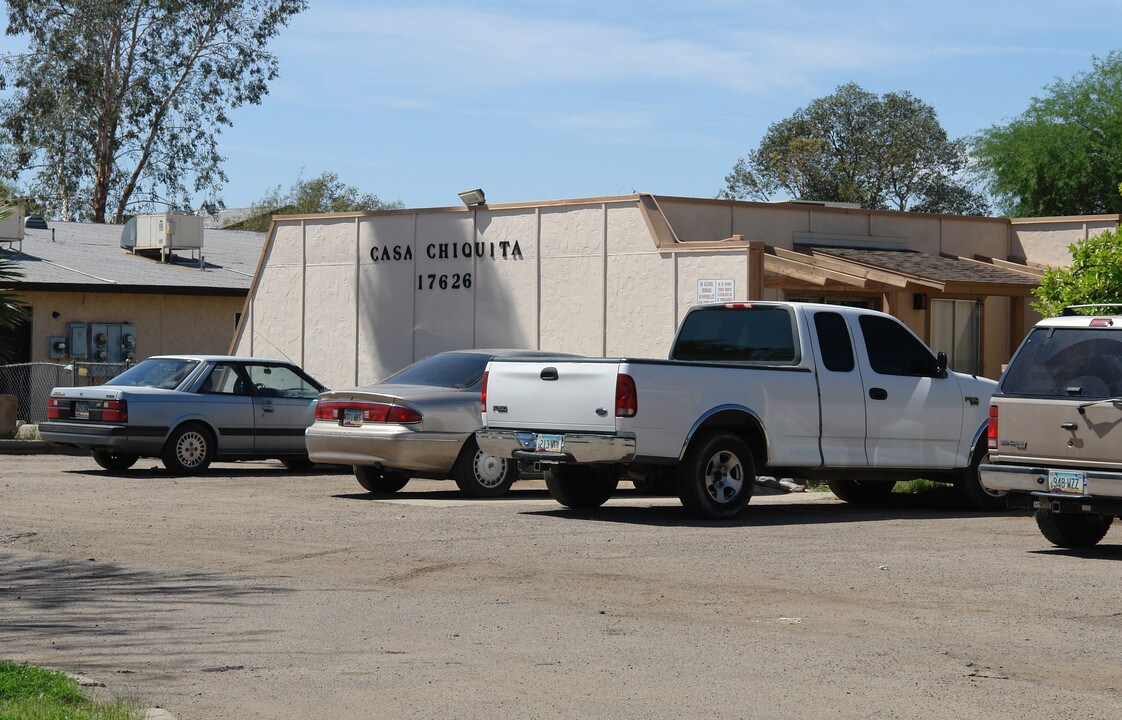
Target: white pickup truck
(846, 395)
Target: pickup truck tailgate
(551, 396)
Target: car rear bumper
(1104, 484)
(575, 447)
(97, 436)
(390, 446)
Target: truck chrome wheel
(724, 476)
(717, 475)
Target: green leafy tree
(881, 152)
(1063, 155)
(325, 193)
(116, 105)
(1094, 276)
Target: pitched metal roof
(87, 257)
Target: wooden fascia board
(789, 268)
(849, 278)
(984, 289)
(871, 273)
(1033, 272)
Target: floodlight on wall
(473, 197)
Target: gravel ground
(254, 592)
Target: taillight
(114, 411)
(991, 431)
(483, 393)
(627, 401)
(367, 412)
(52, 409)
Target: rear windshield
(1067, 362)
(759, 334)
(450, 370)
(164, 373)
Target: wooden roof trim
(863, 271)
(1032, 271)
(983, 289)
(779, 256)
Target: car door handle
(550, 373)
(267, 407)
(878, 393)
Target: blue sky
(535, 101)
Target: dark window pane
(451, 370)
(1067, 362)
(893, 350)
(164, 373)
(764, 334)
(833, 339)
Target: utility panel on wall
(103, 342)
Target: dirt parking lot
(254, 592)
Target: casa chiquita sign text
(502, 250)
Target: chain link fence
(31, 383)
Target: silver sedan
(420, 422)
(188, 410)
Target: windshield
(164, 373)
(1067, 362)
(450, 370)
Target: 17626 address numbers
(452, 281)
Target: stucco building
(85, 291)
(354, 297)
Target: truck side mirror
(941, 363)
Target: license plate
(81, 411)
(1071, 482)
(549, 443)
(352, 417)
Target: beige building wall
(355, 297)
(1045, 241)
(165, 324)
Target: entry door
(284, 406)
(913, 413)
(230, 406)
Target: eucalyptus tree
(116, 105)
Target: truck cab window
(763, 334)
(895, 351)
(833, 342)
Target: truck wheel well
(742, 424)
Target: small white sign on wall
(715, 291)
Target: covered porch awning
(878, 270)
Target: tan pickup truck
(1055, 430)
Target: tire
(189, 450)
(114, 461)
(298, 464)
(862, 492)
(480, 475)
(1075, 530)
(717, 476)
(580, 487)
(970, 489)
(378, 481)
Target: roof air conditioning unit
(162, 234)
